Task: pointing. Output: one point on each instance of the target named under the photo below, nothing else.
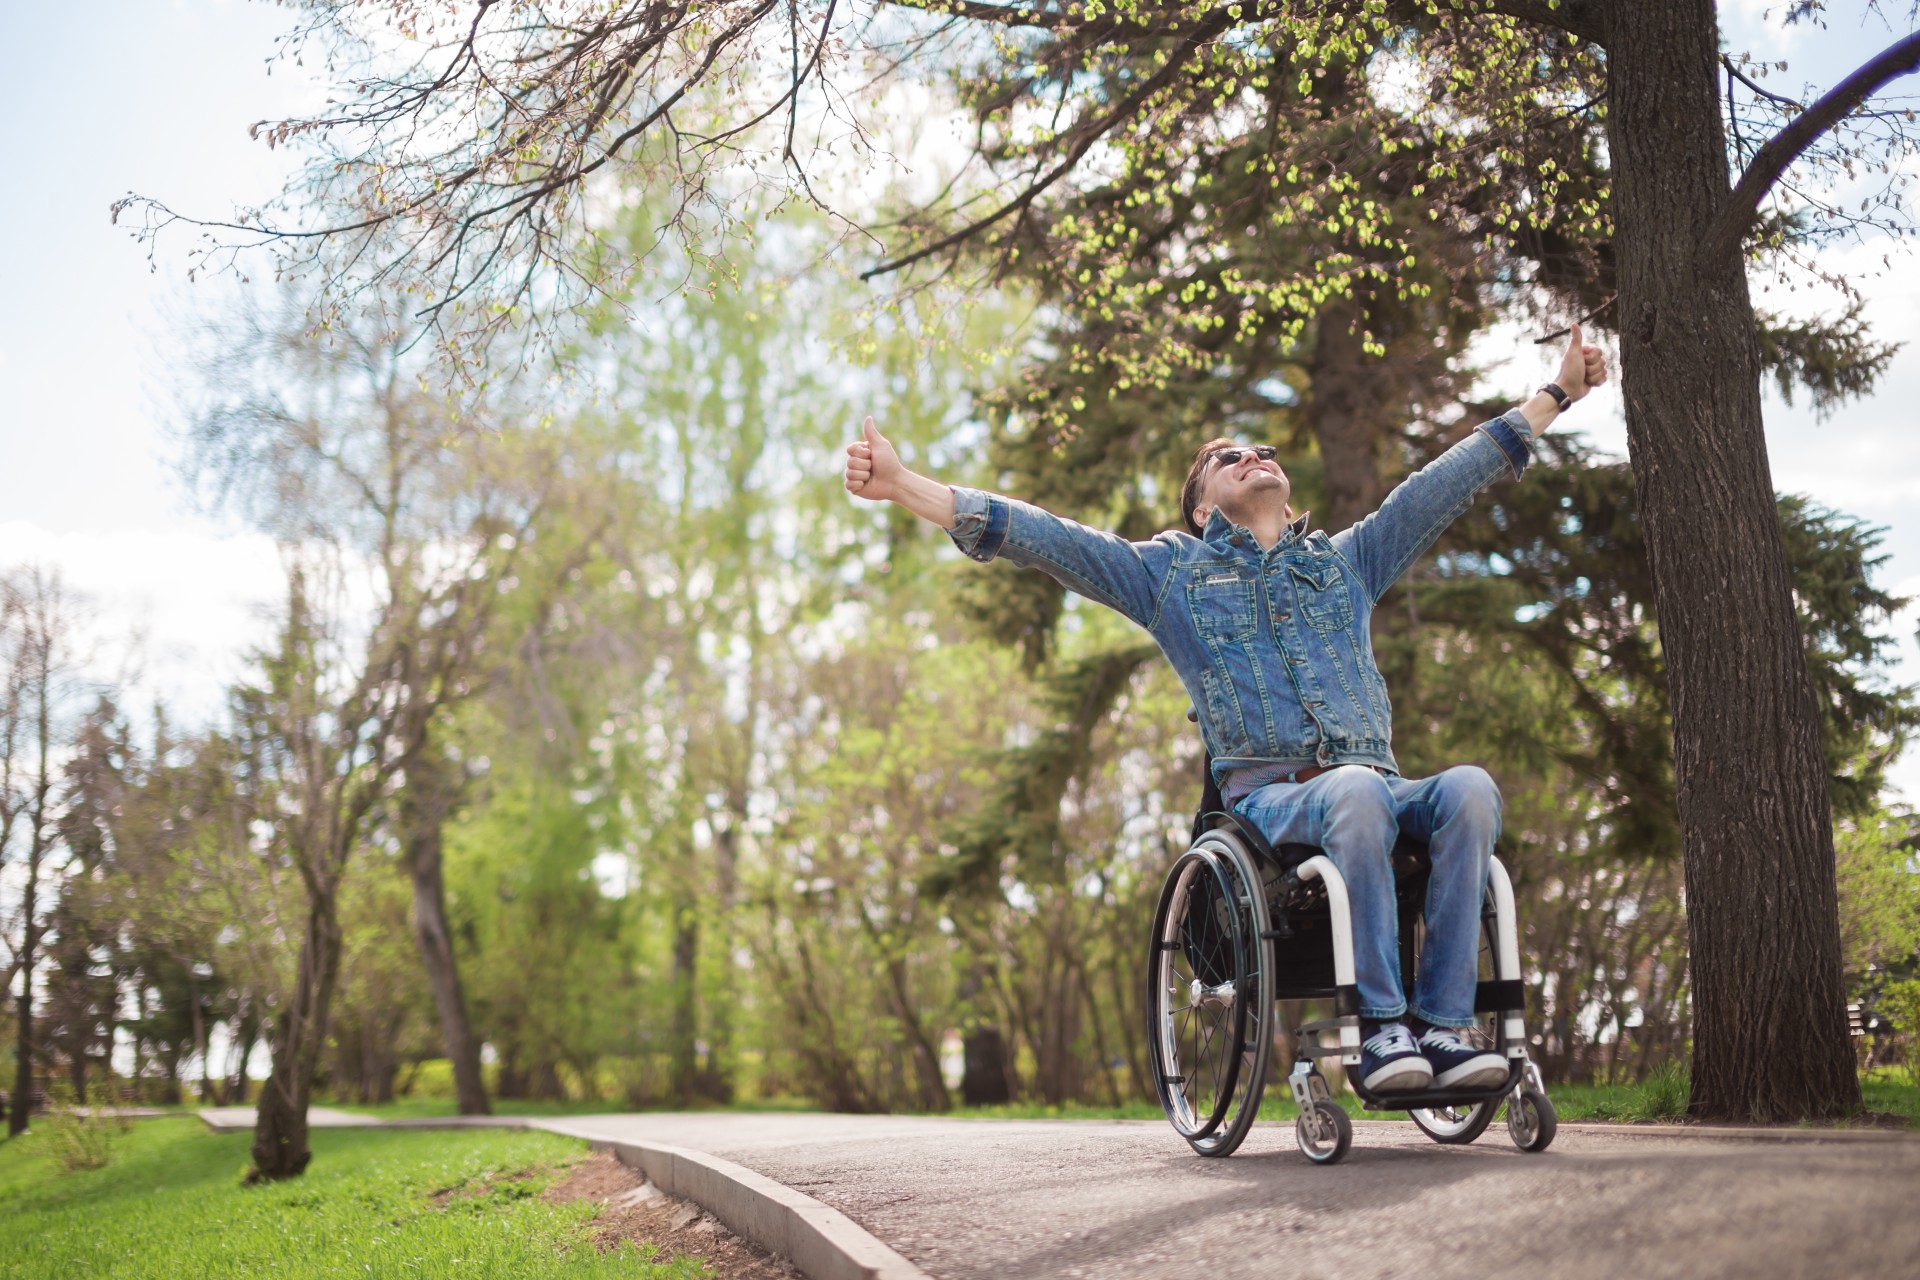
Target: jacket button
(1282, 617)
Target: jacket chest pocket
(1326, 600)
(1224, 608)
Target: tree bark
(1769, 1016)
(984, 1077)
(22, 1115)
(247, 1035)
(684, 1061)
(1344, 411)
(425, 805)
(280, 1147)
(200, 1039)
(718, 1074)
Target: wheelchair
(1242, 926)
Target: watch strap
(1560, 397)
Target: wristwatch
(1560, 398)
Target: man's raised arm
(1109, 570)
(874, 471)
(1382, 545)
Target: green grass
(1894, 1093)
(171, 1204)
(1660, 1098)
(435, 1108)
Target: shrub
(1663, 1095)
(78, 1140)
(1899, 1004)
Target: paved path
(1125, 1200)
(987, 1200)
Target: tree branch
(1771, 161)
(1739, 75)
(1579, 18)
(1212, 26)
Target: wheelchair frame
(1265, 906)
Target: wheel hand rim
(1199, 1022)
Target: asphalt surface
(999, 1200)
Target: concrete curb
(822, 1242)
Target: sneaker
(1457, 1064)
(1390, 1061)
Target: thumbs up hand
(873, 468)
(1582, 368)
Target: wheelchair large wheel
(1196, 976)
(1250, 1085)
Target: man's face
(1243, 487)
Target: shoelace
(1445, 1038)
(1391, 1039)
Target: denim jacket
(1272, 646)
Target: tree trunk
(200, 1039)
(686, 959)
(246, 1036)
(930, 1085)
(139, 1044)
(29, 910)
(718, 1074)
(984, 1075)
(22, 1114)
(1344, 410)
(426, 802)
(1770, 1032)
(280, 1128)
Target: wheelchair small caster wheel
(1530, 1119)
(1324, 1132)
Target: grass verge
(1661, 1098)
(373, 1203)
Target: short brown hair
(1190, 491)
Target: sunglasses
(1264, 452)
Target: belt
(1314, 771)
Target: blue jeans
(1354, 814)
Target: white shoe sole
(1482, 1072)
(1402, 1076)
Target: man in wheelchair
(1265, 620)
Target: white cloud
(176, 611)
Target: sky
(155, 96)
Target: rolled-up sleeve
(980, 523)
(1515, 438)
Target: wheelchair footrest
(1417, 1099)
